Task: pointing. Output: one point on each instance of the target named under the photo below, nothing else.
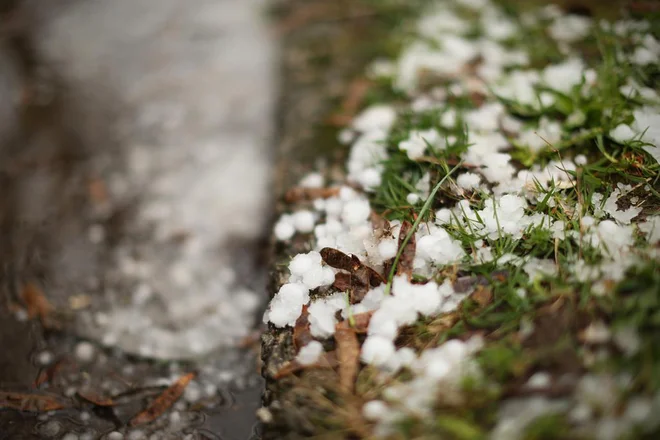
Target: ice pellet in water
(175, 418)
(84, 352)
(136, 435)
(50, 429)
(115, 435)
(45, 358)
(70, 436)
(192, 393)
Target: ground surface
(134, 191)
(489, 323)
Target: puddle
(135, 196)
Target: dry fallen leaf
(358, 323)
(36, 304)
(98, 191)
(96, 399)
(405, 265)
(163, 402)
(299, 194)
(348, 356)
(342, 281)
(482, 296)
(29, 402)
(362, 277)
(357, 90)
(48, 374)
(326, 360)
(301, 332)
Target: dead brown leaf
(482, 295)
(405, 265)
(48, 374)
(95, 399)
(357, 90)
(326, 360)
(299, 194)
(163, 402)
(36, 304)
(342, 281)
(301, 333)
(381, 226)
(98, 191)
(362, 276)
(348, 356)
(360, 322)
(30, 402)
(337, 259)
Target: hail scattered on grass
(552, 121)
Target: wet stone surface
(134, 195)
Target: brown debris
(96, 399)
(381, 226)
(29, 402)
(342, 281)
(357, 91)
(98, 191)
(362, 277)
(37, 305)
(326, 360)
(301, 333)
(405, 265)
(553, 338)
(163, 402)
(482, 296)
(47, 375)
(358, 323)
(348, 356)
(299, 194)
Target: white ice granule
(546, 135)
(312, 180)
(322, 318)
(439, 248)
(377, 350)
(303, 221)
(356, 212)
(611, 206)
(387, 248)
(519, 86)
(622, 133)
(565, 75)
(651, 228)
(468, 180)
(413, 198)
(284, 228)
(309, 270)
(286, 305)
(375, 410)
(375, 118)
(570, 28)
(538, 380)
(84, 352)
(301, 263)
(596, 333)
(417, 142)
(310, 353)
(485, 118)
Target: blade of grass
(422, 212)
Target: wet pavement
(134, 199)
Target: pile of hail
(521, 158)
